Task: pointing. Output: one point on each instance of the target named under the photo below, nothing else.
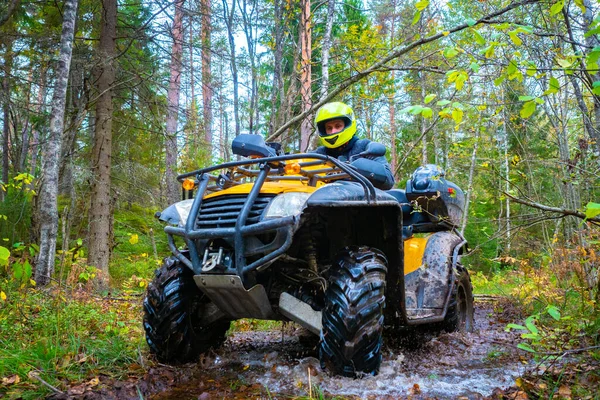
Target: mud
(279, 365)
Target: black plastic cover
(440, 200)
(246, 145)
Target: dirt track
(275, 364)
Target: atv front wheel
(351, 337)
(175, 312)
(460, 310)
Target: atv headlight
(286, 204)
(177, 214)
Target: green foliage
(15, 210)
(63, 339)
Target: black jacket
(356, 146)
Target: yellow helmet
(336, 110)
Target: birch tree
(49, 184)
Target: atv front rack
(269, 168)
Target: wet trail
(274, 364)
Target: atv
(309, 239)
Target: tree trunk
(228, 15)
(592, 42)
(305, 73)
(465, 218)
(249, 19)
(48, 208)
(207, 89)
(8, 61)
(100, 219)
(277, 90)
(173, 107)
(325, 48)
(40, 109)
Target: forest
(104, 103)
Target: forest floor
(276, 364)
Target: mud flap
(427, 287)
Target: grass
(64, 337)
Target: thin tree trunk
(100, 218)
(173, 106)
(305, 73)
(326, 47)
(49, 185)
(277, 88)
(40, 109)
(592, 42)
(424, 156)
(207, 90)
(506, 176)
(465, 217)
(8, 61)
(228, 15)
(249, 22)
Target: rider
(337, 134)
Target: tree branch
(397, 54)
(12, 6)
(557, 210)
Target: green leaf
(515, 38)
(429, 97)
(4, 255)
(553, 86)
(563, 63)
(528, 109)
(592, 210)
(553, 311)
(538, 100)
(470, 21)
(515, 326)
(457, 115)
(525, 347)
(531, 326)
(474, 67)
(427, 112)
(596, 88)
(442, 103)
(478, 38)
(450, 52)
(416, 18)
(498, 81)
(526, 98)
(489, 51)
(556, 8)
(579, 3)
(421, 5)
(592, 32)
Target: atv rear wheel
(351, 337)
(173, 316)
(459, 316)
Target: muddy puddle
(276, 364)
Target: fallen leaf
(11, 380)
(520, 395)
(564, 392)
(94, 382)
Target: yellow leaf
(3, 296)
(94, 382)
(32, 282)
(446, 33)
(11, 380)
(133, 239)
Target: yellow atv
(309, 239)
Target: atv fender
(426, 289)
